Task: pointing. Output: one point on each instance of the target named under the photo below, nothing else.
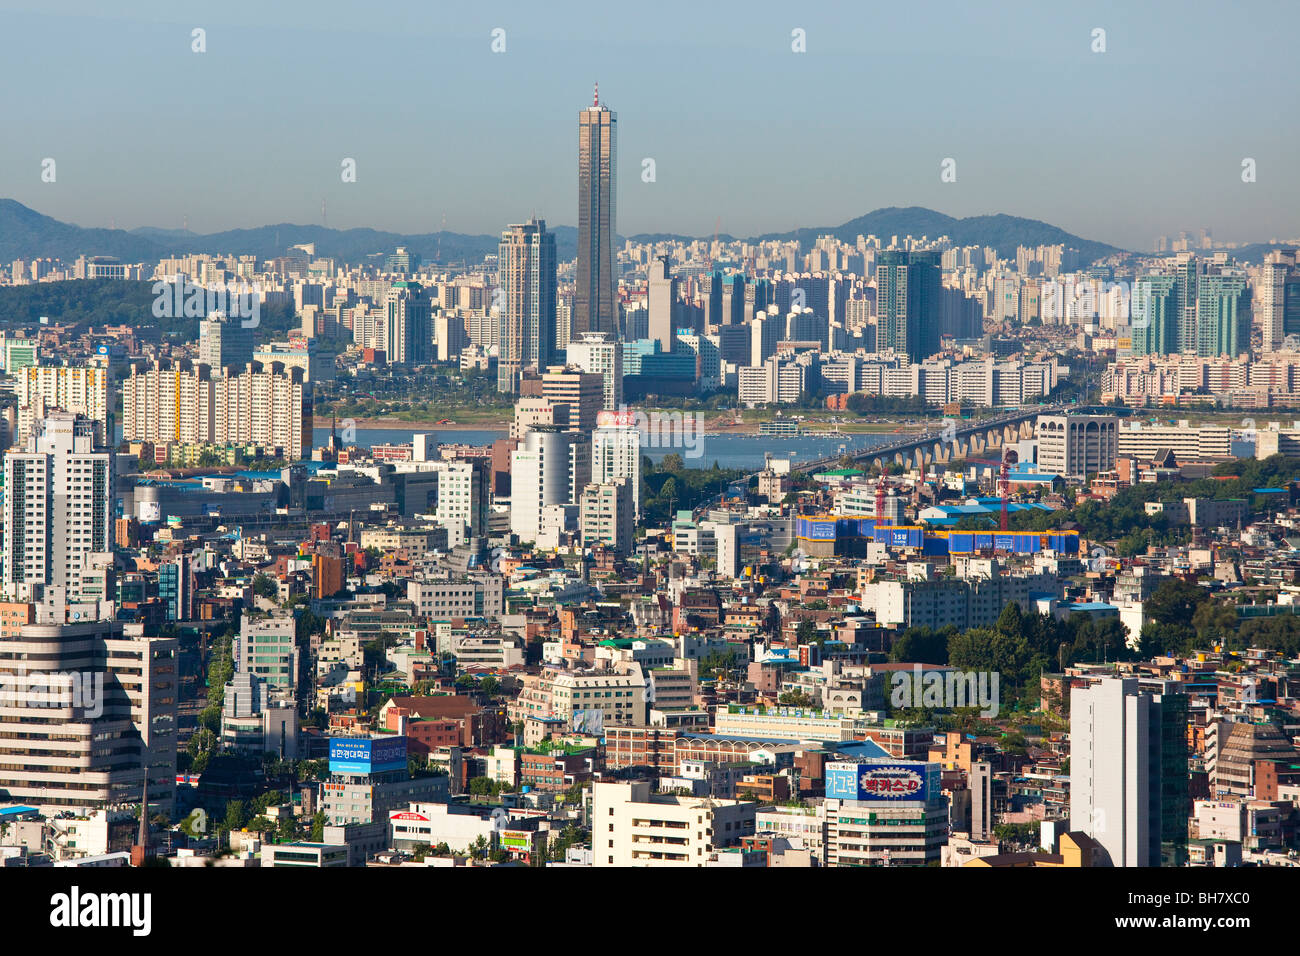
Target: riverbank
(401, 424)
(812, 429)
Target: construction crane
(880, 503)
(1009, 457)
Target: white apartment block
(775, 383)
(620, 696)
(82, 389)
(462, 499)
(606, 515)
(265, 405)
(1077, 445)
(58, 505)
(630, 826)
(96, 709)
(598, 352)
(616, 453)
(1207, 443)
(482, 595)
(1114, 781)
(961, 602)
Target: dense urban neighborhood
(917, 541)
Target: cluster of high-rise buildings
(482, 654)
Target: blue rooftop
(863, 748)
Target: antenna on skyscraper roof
(595, 96)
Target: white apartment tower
(616, 453)
(97, 711)
(1128, 768)
(58, 505)
(550, 468)
(600, 354)
(82, 389)
(605, 515)
(662, 301)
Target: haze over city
(676, 436)
(1143, 139)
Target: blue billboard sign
(365, 755)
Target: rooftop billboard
(366, 755)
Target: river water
(729, 451)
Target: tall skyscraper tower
(224, 342)
(908, 302)
(1128, 770)
(662, 296)
(595, 307)
(1193, 312)
(1275, 301)
(526, 273)
(409, 327)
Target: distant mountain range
(25, 233)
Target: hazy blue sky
(1146, 138)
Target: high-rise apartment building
(58, 505)
(1275, 302)
(526, 272)
(908, 302)
(595, 302)
(599, 354)
(82, 389)
(661, 294)
(409, 328)
(616, 453)
(97, 710)
(224, 341)
(1128, 770)
(1190, 311)
(262, 404)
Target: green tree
(236, 815)
(807, 633)
(795, 698)
(1174, 601)
(922, 645)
